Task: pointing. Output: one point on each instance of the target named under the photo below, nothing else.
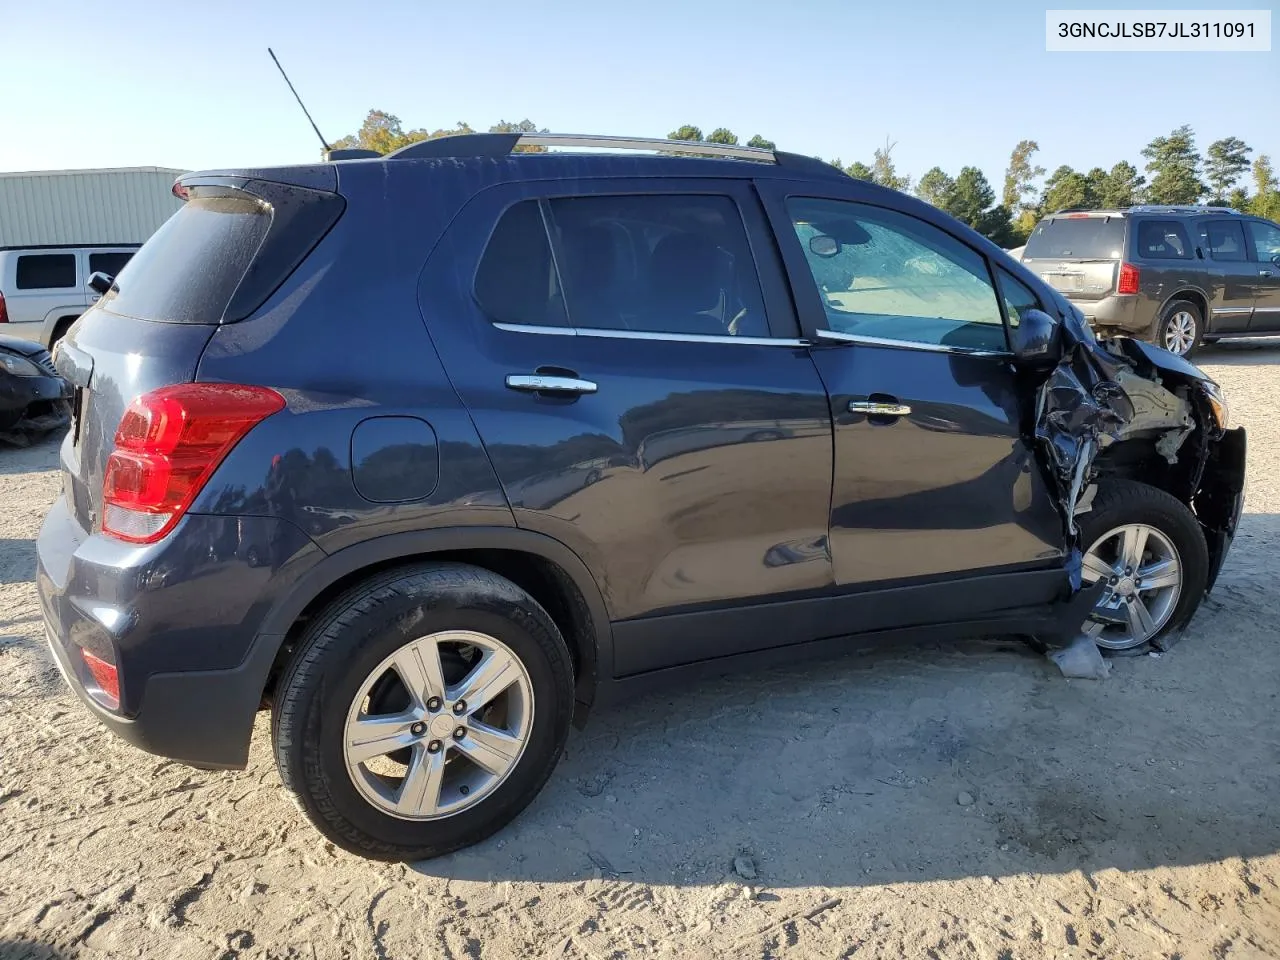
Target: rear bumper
(179, 619)
(1132, 314)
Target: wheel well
(1191, 296)
(60, 328)
(541, 578)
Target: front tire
(1180, 328)
(1148, 548)
(422, 711)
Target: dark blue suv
(430, 453)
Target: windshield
(1078, 238)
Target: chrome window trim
(648, 335)
(910, 344)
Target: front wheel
(422, 711)
(1147, 547)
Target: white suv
(44, 289)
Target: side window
(46, 271)
(1266, 239)
(677, 264)
(887, 275)
(109, 263)
(516, 281)
(1163, 240)
(1225, 240)
(1017, 297)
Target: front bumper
(33, 405)
(1220, 500)
(179, 619)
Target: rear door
(1223, 243)
(934, 482)
(1078, 253)
(630, 356)
(1264, 237)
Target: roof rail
(1181, 208)
(502, 144)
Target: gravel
(1129, 817)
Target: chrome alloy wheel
(438, 725)
(1180, 332)
(1143, 575)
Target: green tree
(524, 126)
(383, 132)
(721, 135)
(1066, 189)
(1097, 181)
(970, 200)
(1123, 187)
(859, 170)
(1020, 173)
(761, 143)
(935, 187)
(1174, 165)
(687, 132)
(1225, 161)
(1239, 200)
(883, 171)
(1266, 191)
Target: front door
(1235, 277)
(632, 362)
(1265, 249)
(934, 480)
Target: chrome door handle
(874, 409)
(1264, 273)
(541, 383)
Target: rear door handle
(1264, 273)
(874, 408)
(542, 383)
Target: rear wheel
(1147, 548)
(1180, 328)
(423, 711)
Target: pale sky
(137, 82)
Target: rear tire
(352, 654)
(1172, 533)
(1180, 328)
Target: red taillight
(1128, 279)
(167, 445)
(4, 310)
(105, 676)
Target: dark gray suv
(1177, 276)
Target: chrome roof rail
(696, 147)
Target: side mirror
(1037, 339)
(824, 246)
(101, 282)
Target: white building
(85, 207)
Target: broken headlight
(1217, 403)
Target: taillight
(105, 677)
(4, 310)
(1128, 279)
(167, 445)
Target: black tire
(347, 642)
(1118, 502)
(1180, 311)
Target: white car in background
(44, 289)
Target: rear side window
(219, 257)
(677, 264)
(1163, 240)
(1076, 238)
(1225, 240)
(46, 271)
(1266, 239)
(109, 263)
(516, 281)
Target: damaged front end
(1127, 409)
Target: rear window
(1077, 238)
(109, 263)
(46, 271)
(219, 257)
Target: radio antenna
(323, 143)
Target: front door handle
(543, 383)
(875, 408)
(1264, 273)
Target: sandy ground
(960, 801)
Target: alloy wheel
(438, 725)
(1180, 333)
(1143, 575)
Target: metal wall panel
(85, 206)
